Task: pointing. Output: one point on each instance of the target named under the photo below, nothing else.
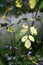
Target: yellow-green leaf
(33, 30)
(10, 29)
(32, 3)
(27, 44)
(23, 31)
(24, 38)
(25, 26)
(18, 3)
(31, 38)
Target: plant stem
(38, 4)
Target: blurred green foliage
(15, 41)
(23, 9)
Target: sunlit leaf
(31, 38)
(18, 3)
(24, 38)
(33, 30)
(23, 31)
(32, 3)
(27, 44)
(10, 29)
(25, 26)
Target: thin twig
(38, 4)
